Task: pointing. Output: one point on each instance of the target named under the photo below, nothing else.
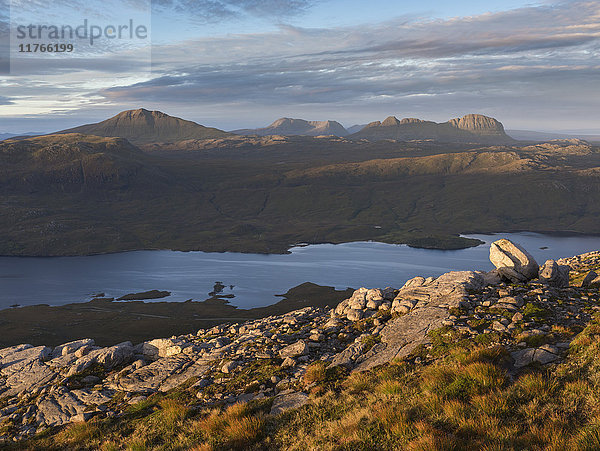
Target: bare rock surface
(512, 261)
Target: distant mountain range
(290, 127)
(469, 128)
(142, 126)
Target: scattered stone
(288, 401)
(294, 350)
(590, 278)
(229, 367)
(288, 362)
(553, 274)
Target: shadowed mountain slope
(81, 194)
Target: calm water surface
(256, 279)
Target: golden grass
(315, 373)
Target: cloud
(525, 66)
(392, 60)
(6, 101)
(219, 10)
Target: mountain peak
(142, 126)
(286, 126)
(477, 123)
(469, 128)
(390, 121)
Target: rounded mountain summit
(142, 126)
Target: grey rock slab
(545, 354)
(348, 356)
(195, 370)
(97, 397)
(402, 335)
(5, 352)
(449, 289)
(152, 376)
(31, 376)
(65, 407)
(288, 401)
(294, 350)
(18, 360)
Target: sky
(244, 63)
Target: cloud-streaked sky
(244, 63)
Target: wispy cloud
(217, 10)
(453, 61)
(526, 66)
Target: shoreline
(452, 242)
(112, 322)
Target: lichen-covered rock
(354, 314)
(403, 334)
(294, 350)
(160, 347)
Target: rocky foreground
(524, 305)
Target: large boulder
(513, 262)
(554, 274)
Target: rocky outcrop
(554, 274)
(430, 304)
(513, 262)
(478, 123)
(42, 387)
